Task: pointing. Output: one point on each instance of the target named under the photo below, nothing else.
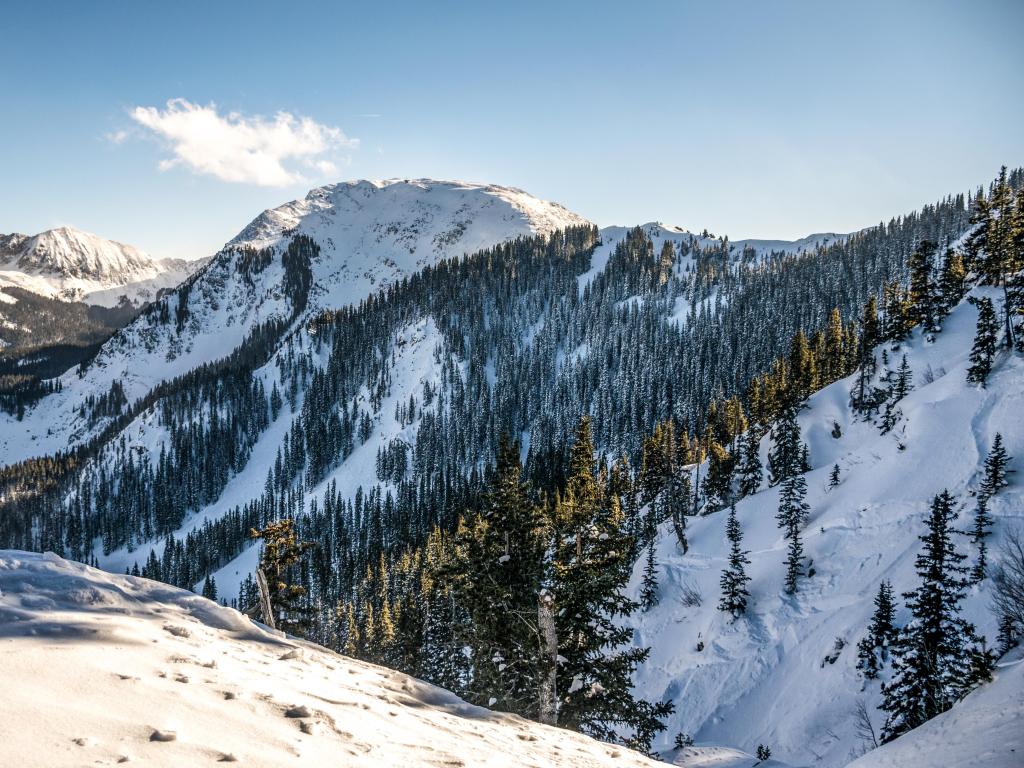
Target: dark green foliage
(985, 342)
(933, 665)
(734, 578)
(873, 649)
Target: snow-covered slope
(373, 232)
(369, 234)
(101, 669)
(985, 730)
(72, 265)
(765, 679)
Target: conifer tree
(649, 584)
(985, 340)
(210, 588)
(980, 532)
(498, 568)
(922, 285)
(994, 478)
(833, 478)
(590, 569)
(734, 578)
(676, 498)
(873, 649)
(932, 663)
(952, 281)
(791, 517)
(750, 469)
(279, 560)
(786, 457)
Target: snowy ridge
(765, 679)
(72, 265)
(985, 730)
(370, 234)
(153, 674)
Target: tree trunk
(265, 605)
(547, 694)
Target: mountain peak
(423, 217)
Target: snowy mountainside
(766, 678)
(985, 730)
(105, 669)
(369, 234)
(72, 265)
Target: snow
(985, 730)
(371, 233)
(104, 669)
(764, 679)
(720, 757)
(72, 265)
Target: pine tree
(750, 469)
(932, 663)
(980, 532)
(677, 502)
(873, 649)
(649, 585)
(280, 559)
(210, 588)
(952, 281)
(786, 457)
(922, 286)
(590, 569)
(995, 469)
(498, 570)
(718, 485)
(833, 478)
(791, 517)
(734, 578)
(985, 340)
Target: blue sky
(754, 119)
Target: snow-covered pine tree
(873, 649)
(995, 469)
(649, 585)
(750, 470)
(834, 478)
(734, 577)
(985, 341)
(791, 517)
(932, 660)
(952, 280)
(922, 285)
(980, 532)
(677, 502)
(786, 455)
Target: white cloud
(233, 147)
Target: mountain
(367, 235)
(348, 363)
(785, 674)
(71, 265)
(112, 669)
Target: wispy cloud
(243, 149)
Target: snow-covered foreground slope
(370, 234)
(765, 679)
(72, 265)
(101, 669)
(985, 730)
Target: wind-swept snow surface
(100, 669)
